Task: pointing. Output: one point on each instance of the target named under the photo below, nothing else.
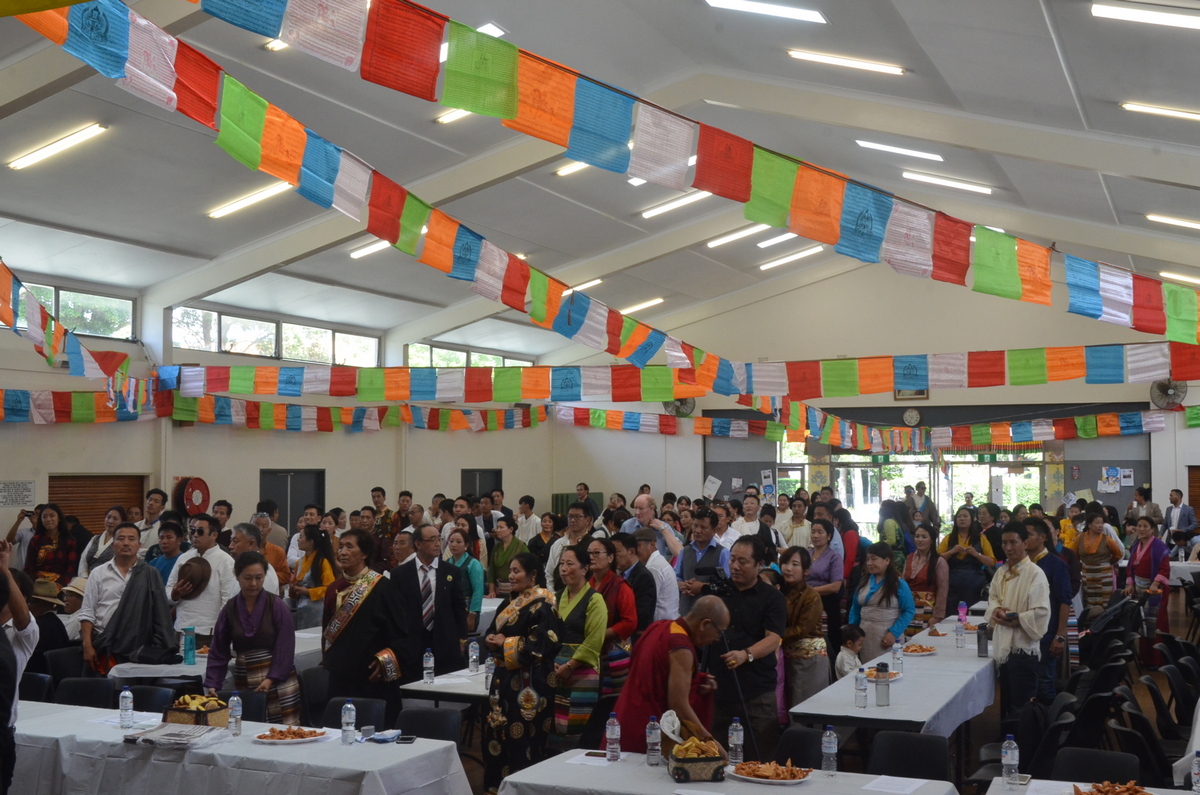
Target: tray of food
(917, 650)
(1111, 788)
(892, 675)
(196, 710)
(768, 773)
(696, 760)
(290, 735)
(971, 627)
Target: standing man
(382, 529)
(199, 608)
(645, 590)
(498, 503)
(312, 515)
(703, 553)
(221, 511)
(1178, 516)
(105, 586)
(1019, 613)
(170, 542)
(644, 516)
(529, 524)
(1141, 506)
(1058, 579)
(666, 603)
(275, 533)
(249, 538)
(401, 519)
(583, 494)
(437, 618)
(919, 501)
(579, 522)
(156, 501)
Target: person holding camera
(746, 671)
(703, 553)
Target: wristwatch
(1060, 639)
(749, 656)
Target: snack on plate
(972, 627)
(693, 748)
(1109, 788)
(202, 650)
(290, 733)
(772, 771)
(891, 674)
(916, 648)
(199, 703)
(935, 633)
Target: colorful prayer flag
(662, 144)
(243, 117)
(951, 249)
(264, 17)
(1148, 312)
(481, 73)
(865, 214)
(816, 211)
(197, 83)
(332, 30)
(546, 100)
(1033, 265)
(601, 126)
(283, 142)
(994, 258)
(98, 35)
(723, 164)
(384, 208)
(318, 170)
(772, 178)
(908, 241)
(1181, 309)
(402, 48)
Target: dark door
(482, 481)
(291, 489)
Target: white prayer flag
(948, 371)
(316, 380)
(371, 419)
(739, 429)
(1043, 430)
(740, 382)
(908, 241)
(1154, 421)
(770, 379)
(594, 331)
(150, 68)
(33, 318)
(1116, 295)
(490, 270)
(332, 30)
(876, 441)
(565, 414)
(191, 381)
(451, 384)
(475, 420)
(41, 407)
(237, 412)
(662, 145)
(648, 423)
(597, 383)
(308, 418)
(941, 436)
(675, 355)
(1148, 362)
(350, 187)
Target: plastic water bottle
(883, 685)
(962, 612)
(960, 634)
(473, 656)
(653, 742)
(235, 715)
(489, 671)
(126, 708)
(1009, 759)
(829, 742)
(737, 737)
(349, 718)
(1196, 773)
(612, 733)
(860, 688)
(189, 645)
(897, 657)
(427, 664)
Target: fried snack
(290, 733)
(198, 703)
(202, 650)
(694, 748)
(1110, 788)
(772, 771)
(936, 633)
(916, 648)
(891, 674)
(972, 627)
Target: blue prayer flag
(291, 382)
(1105, 364)
(600, 130)
(572, 311)
(264, 17)
(98, 35)
(467, 247)
(865, 214)
(1083, 287)
(422, 383)
(566, 384)
(319, 170)
(910, 372)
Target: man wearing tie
(435, 585)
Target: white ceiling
(128, 209)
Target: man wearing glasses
(579, 521)
(438, 614)
(199, 609)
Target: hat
(645, 534)
(197, 572)
(46, 591)
(77, 586)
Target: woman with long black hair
(99, 550)
(806, 659)
(52, 553)
(883, 604)
(825, 575)
(928, 577)
(315, 572)
(969, 555)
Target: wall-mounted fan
(1168, 394)
(680, 408)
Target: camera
(722, 586)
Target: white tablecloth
(450, 687)
(1181, 570)
(487, 613)
(1043, 786)
(308, 655)
(632, 776)
(936, 694)
(63, 750)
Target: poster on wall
(736, 485)
(1126, 477)
(768, 482)
(16, 493)
(1110, 480)
(711, 484)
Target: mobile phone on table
(597, 754)
(406, 739)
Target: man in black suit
(438, 620)
(645, 589)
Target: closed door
(291, 489)
(482, 481)
(1193, 497)
(90, 496)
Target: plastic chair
(1089, 721)
(1075, 683)
(1090, 764)
(1183, 697)
(85, 692)
(35, 687)
(800, 744)
(1125, 696)
(314, 695)
(1061, 702)
(64, 663)
(254, 705)
(1168, 729)
(1168, 654)
(1131, 742)
(1164, 754)
(1190, 668)
(368, 712)
(1042, 758)
(152, 699)
(910, 755)
(431, 723)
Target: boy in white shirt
(847, 663)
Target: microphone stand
(742, 700)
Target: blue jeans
(1018, 680)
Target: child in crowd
(1180, 550)
(852, 643)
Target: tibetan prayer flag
(865, 214)
(350, 187)
(839, 377)
(293, 418)
(107, 413)
(804, 380)
(646, 351)
(266, 380)
(566, 384)
(1105, 364)
(243, 117)
(1064, 428)
(626, 384)
(51, 23)
(601, 126)
(422, 383)
(316, 380)
(545, 294)
(1065, 364)
(1181, 309)
(98, 35)
(489, 272)
(450, 381)
(1191, 413)
(703, 426)
(662, 144)
(1086, 427)
(1185, 362)
(1130, 423)
(371, 384)
(264, 17)
(816, 211)
(1116, 295)
(283, 143)
(875, 375)
(1147, 363)
(241, 380)
(1027, 366)
(546, 100)
(597, 383)
(185, 409)
(985, 368)
(951, 249)
(384, 208)
(481, 73)
(343, 381)
(1021, 432)
(412, 220)
(318, 170)
(908, 241)
(1153, 421)
(1083, 287)
(1033, 264)
(506, 385)
(467, 247)
(83, 407)
(1001, 433)
(206, 410)
(439, 242)
(657, 384)
(723, 164)
(397, 383)
(332, 30)
(1109, 424)
(1148, 313)
(772, 178)
(17, 403)
(191, 381)
(402, 48)
(150, 68)
(981, 434)
(535, 383)
(516, 282)
(571, 313)
(910, 373)
(197, 83)
(995, 260)
(477, 385)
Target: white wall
(1171, 453)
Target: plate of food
(892, 675)
(290, 735)
(917, 650)
(202, 651)
(768, 773)
(1111, 788)
(971, 627)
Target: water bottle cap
(612, 714)
(350, 701)
(738, 720)
(862, 670)
(428, 651)
(235, 692)
(828, 728)
(126, 687)
(1008, 737)
(653, 718)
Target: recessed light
(571, 169)
(453, 115)
(444, 52)
(775, 263)
(738, 235)
(253, 198)
(636, 181)
(1172, 112)
(946, 183)
(378, 245)
(275, 45)
(770, 9)
(1151, 15)
(520, 256)
(692, 160)
(1166, 219)
(853, 63)
(896, 150)
(1179, 277)
(62, 144)
(583, 286)
(777, 239)
(491, 29)
(644, 305)
(682, 201)
(425, 229)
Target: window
(243, 335)
(195, 329)
(307, 343)
(443, 357)
(517, 363)
(486, 360)
(44, 295)
(418, 355)
(353, 350)
(792, 453)
(98, 315)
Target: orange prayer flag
(396, 383)
(206, 409)
(347, 416)
(283, 143)
(458, 421)
(797, 436)
(683, 390)
(702, 426)
(406, 414)
(1033, 263)
(875, 375)
(439, 242)
(266, 381)
(535, 383)
(817, 205)
(1065, 364)
(640, 334)
(706, 373)
(1108, 424)
(104, 412)
(546, 107)
(280, 416)
(614, 420)
(52, 24)
(554, 294)
(1001, 433)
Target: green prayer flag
(657, 383)
(243, 117)
(827, 431)
(597, 418)
(775, 431)
(539, 294)
(83, 407)
(1180, 305)
(628, 325)
(414, 216)
(266, 416)
(1085, 427)
(794, 416)
(492, 420)
(1027, 366)
(481, 73)
(186, 409)
(771, 181)
(994, 257)
(392, 418)
(335, 417)
(370, 383)
(10, 8)
(839, 377)
(241, 380)
(534, 420)
(1192, 415)
(443, 419)
(981, 433)
(506, 384)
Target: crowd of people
(716, 609)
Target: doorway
(90, 496)
(482, 481)
(291, 489)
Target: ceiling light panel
(947, 183)
(896, 150)
(1147, 14)
(851, 63)
(770, 10)
(61, 145)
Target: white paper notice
(451, 680)
(595, 761)
(308, 634)
(711, 484)
(901, 786)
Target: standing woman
(968, 553)
(52, 554)
(315, 572)
(928, 577)
(99, 550)
(824, 576)
(523, 639)
(584, 618)
(1150, 575)
(622, 615)
(456, 553)
(883, 605)
(1098, 553)
(989, 516)
(254, 629)
(552, 527)
(508, 546)
(805, 655)
(894, 522)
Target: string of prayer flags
(545, 100)
(772, 178)
(662, 144)
(318, 170)
(908, 240)
(402, 48)
(283, 142)
(264, 17)
(994, 258)
(601, 126)
(12, 8)
(197, 83)
(1149, 315)
(243, 118)
(481, 73)
(1181, 310)
(332, 30)
(98, 35)
(865, 214)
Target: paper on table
(694, 792)
(138, 717)
(595, 761)
(451, 680)
(901, 786)
(308, 634)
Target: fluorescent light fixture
(253, 198)
(777, 239)
(682, 201)
(1172, 112)
(896, 150)
(1179, 277)
(62, 144)
(770, 9)
(1166, 219)
(520, 256)
(444, 52)
(425, 229)
(807, 252)
(583, 286)
(491, 29)
(643, 305)
(946, 183)
(994, 229)
(378, 245)
(1151, 15)
(275, 45)
(853, 63)
(692, 160)
(738, 235)
(571, 169)
(636, 181)
(453, 115)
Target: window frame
(505, 356)
(278, 323)
(134, 307)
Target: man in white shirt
(1178, 516)
(667, 605)
(221, 511)
(72, 597)
(18, 624)
(529, 523)
(579, 522)
(749, 524)
(312, 515)
(200, 611)
(724, 535)
(105, 586)
(1019, 612)
(20, 536)
(248, 538)
(156, 502)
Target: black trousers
(8, 757)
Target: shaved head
(711, 608)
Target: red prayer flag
(324, 419)
(62, 406)
(197, 83)
(667, 425)
(164, 403)
(434, 422)
(757, 427)
(1064, 428)
(951, 249)
(402, 48)
(745, 400)
(385, 205)
(626, 383)
(723, 164)
(583, 417)
(804, 380)
(1185, 361)
(516, 282)
(960, 436)
(477, 385)
(216, 379)
(1148, 313)
(343, 381)
(613, 327)
(985, 368)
